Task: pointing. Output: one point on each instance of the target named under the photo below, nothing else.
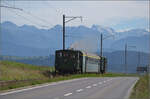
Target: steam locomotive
(75, 61)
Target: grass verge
(141, 89)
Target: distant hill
(9, 48)
(141, 43)
(30, 41)
(34, 60)
(115, 60)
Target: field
(141, 89)
(25, 75)
(18, 71)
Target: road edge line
(130, 89)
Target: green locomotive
(75, 61)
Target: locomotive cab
(68, 61)
(74, 61)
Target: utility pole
(101, 45)
(126, 58)
(138, 60)
(63, 32)
(65, 21)
(101, 49)
(139, 56)
(126, 69)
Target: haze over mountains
(30, 41)
(37, 46)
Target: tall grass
(18, 71)
(141, 89)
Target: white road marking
(100, 83)
(130, 89)
(79, 90)
(67, 94)
(55, 83)
(104, 81)
(94, 84)
(88, 87)
(56, 98)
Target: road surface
(85, 88)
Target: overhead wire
(29, 20)
(48, 4)
(42, 20)
(58, 12)
(39, 19)
(26, 18)
(70, 36)
(34, 16)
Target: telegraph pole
(101, 49)
(65, 21)
(101, 45)
(63, 32)
(126, 58)
(138, 65)
(139, 56)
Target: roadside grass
(141, 89)
(42, 74)
(18, 71)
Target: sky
(120, 15)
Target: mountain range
(37, 46)
(28, 40)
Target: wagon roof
(92, 55)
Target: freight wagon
(75, 61)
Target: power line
(42, 20)
(57, 11)
(26, 18)
(11, 7)
(44, 2)
(33, 22)
(34, 16)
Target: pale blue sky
(106, 13)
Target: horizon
(148, 30)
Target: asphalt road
(85, 88)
